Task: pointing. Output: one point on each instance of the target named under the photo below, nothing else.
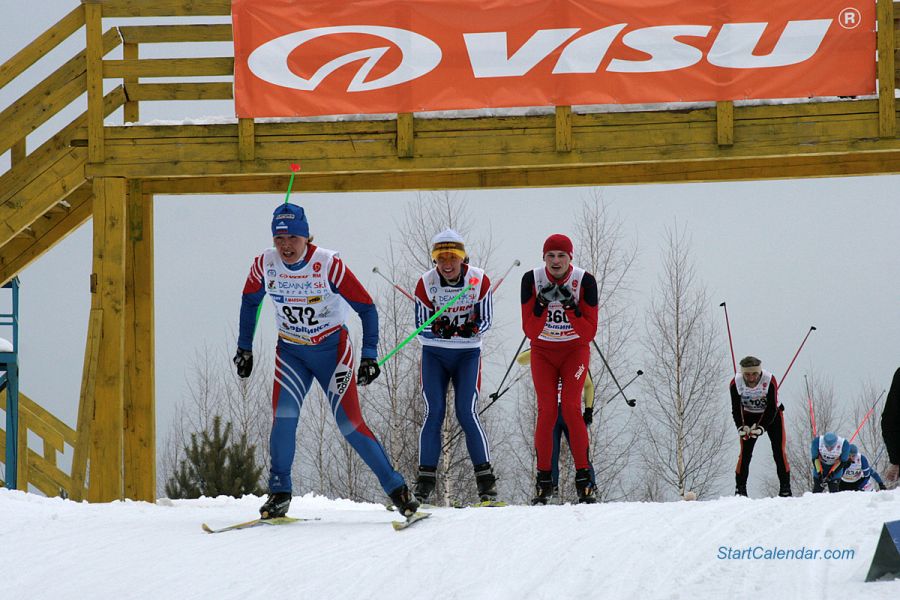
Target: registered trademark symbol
(849, 18)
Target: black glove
(243, 360)
(547, 294)
(468, 329)
(588, 415)
(443, 327)
(568, 299)
(368, 371)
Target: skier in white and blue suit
(311, 289)
(860, 475)
(451, 351)
(830, 456)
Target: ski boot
(740, 489)
(404, 501)
(543, 488)
(276, 505)
(486, 482)
(784, 488)
(587, 493)
(425, 483)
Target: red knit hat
(558, 241)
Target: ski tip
(207, 528)
(414, 518)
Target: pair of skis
(397, 525)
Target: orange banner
(321, 57)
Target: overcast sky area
(785, 255)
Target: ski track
(126, 550)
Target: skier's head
(448, 251)
(751, 370)
(290, 232)
(853, 450)
(830, 440)
(558, 252)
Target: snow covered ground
(53, 548)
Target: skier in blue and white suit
(311, 289)
(451, 351)
(859, 476)
(830, 456)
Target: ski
(392, 508)
(412, 520)
(255, 523)
(482, 504)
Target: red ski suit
(554, 361)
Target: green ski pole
(295, 168)
(472, 282)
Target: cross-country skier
(859, 476)
(756, 410)
(560, 429)
(311, 289)
(830, 456)
(890, 430)
(559, 316)
(451, 351)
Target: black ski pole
(631, 402)
(625, 387)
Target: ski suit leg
(572, 373)
(291, 383)
(333, 368)
(466, 377)
(545, 373)
(742, 470)
(435, 379)
(559, 429)
(778, 438)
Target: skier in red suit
(559, 316)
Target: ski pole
(515, 263)
(631, 402)
(295, 168)
(783, 377)
(494, 397)
(396, 286)
(812, 415)
(472, 283)
(730, 344)
(866, 418)
(624, 387)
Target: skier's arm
(484, 308)
(253, 294)
(424, 309)
(871, 472)
(584, 318)
(736, 405)
(771, 410)
(534, 315)
(890, 421)
(345, 283)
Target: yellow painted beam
(169, 67)
(85, 427)
(108, 295)
(246, 139)
(140, 405)
(405, 135)
(180, 91)
(165, 8)
(94, 61)
(887, 117)
(173, 34)
(725, 123)
(41, 45)
(563, 128)
(132, 113)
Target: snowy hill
(53, 548)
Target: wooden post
(132, 107)
(405, 135)
(725, 123)
(246, 139)
(140, 408)
(86, 407)
(94, 54)
(563, 128)
(108, 295)
(18, 152)
(887, 116)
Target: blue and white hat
(289, 219)
(830, 439)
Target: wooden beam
(169, 67)
(18, 152)
(41, 45)
(246, 140)
(173, 34)
(725, 123)
(181, 91)
(405, 135)
(165, 8)
(132, 112)
(94, 62)
(140, 405)
(563, 128)
(106, 481)
(82, 453)
(887, 116)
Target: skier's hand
(443, 328)
(568, 299)
(368, 371)
(243, 360)
(756, 431)
(468, 329)
(588, 415)
(547, 294)
(744, 431)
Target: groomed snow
(53, 548)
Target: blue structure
(886, 562)
(9, 380)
